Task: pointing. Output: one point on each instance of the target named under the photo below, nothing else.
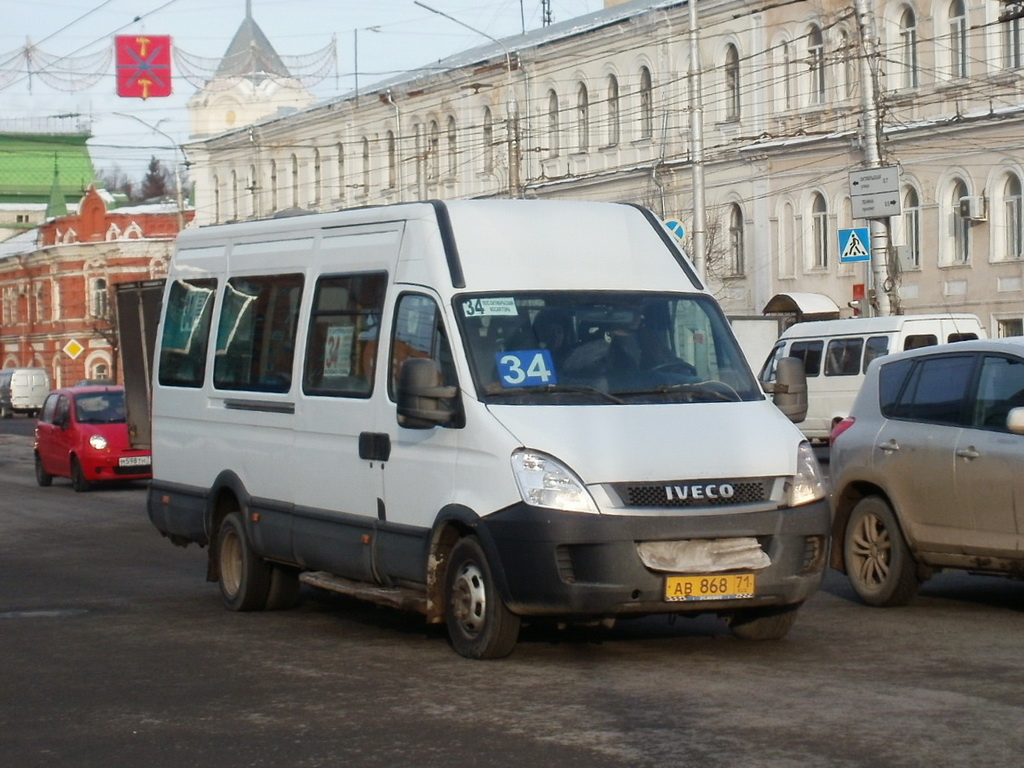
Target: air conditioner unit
(972, 207)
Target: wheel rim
(231, 562)
(469, 599)
(871, 551)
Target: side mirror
(1015, 421)
(422, 398)
(790, 390)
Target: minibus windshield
(573, 347)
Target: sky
(376, 38)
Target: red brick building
(57, 285)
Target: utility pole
(697, 252)
(881, 280)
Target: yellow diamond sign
(73, 349)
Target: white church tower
(251, 84)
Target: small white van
(836, 353)
(485, 411)
(23, 390)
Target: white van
(23, 390)
(480, 410)
(836, 354)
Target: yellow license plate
(722, 586)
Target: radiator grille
(689, 493)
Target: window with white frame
(100, 299)
(958, 38)
(816, 64)
(646, 104)
(488, 139)
(737, 265)
(296, 199)
(553, 127)
(253, 189)
(909, 74)
(731, 70)
(366, 166)
(342, 181)
(433, 153)
(273, 185)
(318, 178)
(453, 148)
(788, 76)
(612, 113)
(961, 227)
(1013, 217)
(216, 197)
(819, 231)
(392, 150)
(234, 195)
(1013, 55)
(582, 118)
(911, 223)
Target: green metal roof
(28, 162)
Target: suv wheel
(878, 561)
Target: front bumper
(551, 563)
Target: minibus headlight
(808, 483)
(546, 482)
(99, 442)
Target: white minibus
(23, 390)
(836, 353)
(486, 411)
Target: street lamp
(177, 168)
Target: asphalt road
(116, 652)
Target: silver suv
(926, 470)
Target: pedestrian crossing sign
(855, 244)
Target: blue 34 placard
(526, 368)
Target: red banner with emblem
(143, 66)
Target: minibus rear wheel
(479, 624)
(243, 576)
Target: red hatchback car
(82, 434)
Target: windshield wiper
(702, 390)
(564, 388)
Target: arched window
(819, 231)
(909, 76)
(295, 181)
(254, 190)
(453, 149)
(366, 166)
(100, 299)
(433, 153)
(488, 137)
(848, 61)
(234, 195)
(911, 221)
(732, 83)
(553, 128)
(342, 181)
(582, 118)
(392, 160)
(1013, 211)
(958, 38)
(961, 226)
(788, 76)
(216, 198)
(646, 104)
(816, 64)
(737, 246)
(318, 178)
(613, 110)
(273, 186)
(1013, 56)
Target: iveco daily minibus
(486, 411)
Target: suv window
(890, 382)
(937, 392)
(1000, 388)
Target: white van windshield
(564, 347)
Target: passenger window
(961, 337)
(186, 335)
(341, 353)
(1000, 389)
(843, 357)
(938, 390)
(876, 346)
(810, 353)
(920, 340)
(891, 377)
(419, 332)
(256, 334)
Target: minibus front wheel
(479, 624)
